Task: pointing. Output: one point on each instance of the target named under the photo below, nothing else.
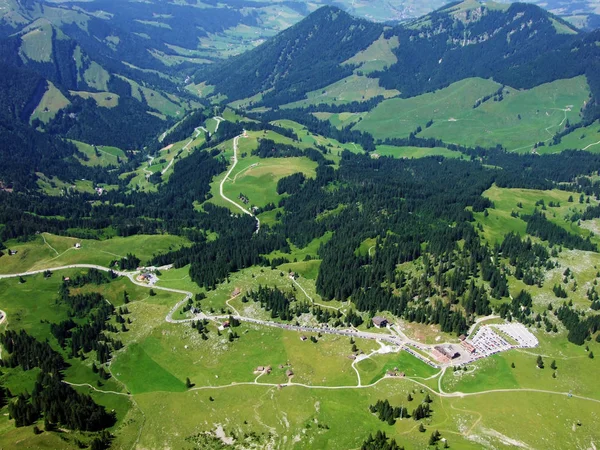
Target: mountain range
(91, 73)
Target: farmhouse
(380, 322)
(263, 369)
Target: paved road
(185, 147)
(390, 339)
(235, 161)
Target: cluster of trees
(538, 225)
(322, 127)
(58, 402)
(580, 327)
(130, 262)
(529, 259)
(27, 352)
(519, 308)
(92, 276)
(269, 149)
(380, 442)
(279, 303)
(388, 413)
(291, 184)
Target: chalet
(303, 338)
(226, 324)
(77, 245)
(12, 252)
(236, 292)
(289, 373)
(380, 322)
(468, 347)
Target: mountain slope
(518, 45)
(303, 58)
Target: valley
(290, 225)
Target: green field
(257, 177)
(50, 104)
(106, 155)
(322, 404)
(340, 120)
(415, 152)
(377, 56)
(585, 138)
(96, 77)
(59, 251)
(518, 122)
(355, 88)
(36, 43)
(104, 99)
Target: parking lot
(519, 333)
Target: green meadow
(354, 88)
(47, 251)
(518, 122)
(415, 152)
(50, 104)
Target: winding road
(395, 340)
(235, 161)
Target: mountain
(518, 45)
(303, 57)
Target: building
(380, 322)
(236, 292)
(448, 351)
(468, 347)
(289, 373)
(77, 245)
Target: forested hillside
(350, 235)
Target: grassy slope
(50, 104)
(354, 88)
(542, 111)
(37, 255)
(415, 152)
(377, 56)
(584, 265)
(104, 99)
(585, 138)
(257, 177)
(108, 155)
